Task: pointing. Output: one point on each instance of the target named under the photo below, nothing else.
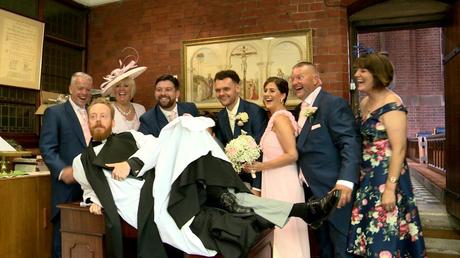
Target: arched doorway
(394, 16)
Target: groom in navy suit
(229, 120)
(64, 135)
(329, 150)
(167, 108)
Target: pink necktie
(84, 125)
(172, 115)
(302, 117)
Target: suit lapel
(307, 126)
(225, 125)
(304, 134)
(74, 122)
(296, 112)
(237, 131)
(180, 110)
(318, 99)
(162, 121)
(241, 108)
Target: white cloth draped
(182, 141)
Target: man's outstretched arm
(143, 160)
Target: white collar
(75, 107)
(168, 112)
(98, 148)
(310, 99)
(235, 108)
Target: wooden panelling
(452, 91)
(24, 228)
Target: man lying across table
(201, 206)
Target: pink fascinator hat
(131, 70)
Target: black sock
(298, 210)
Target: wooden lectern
(82, 232)
(83, 235)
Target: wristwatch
(393, 179)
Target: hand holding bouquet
(242, 150)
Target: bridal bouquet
(241, 150)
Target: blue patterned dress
(373, 231)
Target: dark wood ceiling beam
(354, 6)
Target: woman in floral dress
(280, 179)
(385, 221)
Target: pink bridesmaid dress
(283, 184)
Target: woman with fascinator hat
(120, 84)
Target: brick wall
(157, 27)
(417, 57)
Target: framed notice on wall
(21, 48)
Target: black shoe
(319, 209)
(228, 202)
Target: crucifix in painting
(243, 52)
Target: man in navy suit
(329, 150)
(64, 135)
(229, 125)
(167, 108)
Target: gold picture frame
(254, 57)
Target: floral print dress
(374, 232)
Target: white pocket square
(313, 127)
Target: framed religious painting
(254, 57)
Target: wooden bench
(83, 236)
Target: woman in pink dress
(280, 179)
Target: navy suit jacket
(152, 121)
(255, 126)
(61, 140)
(330, 152)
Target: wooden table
(83, 235)
(262, 249)
(82, 232)
(25, 228)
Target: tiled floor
(434, 217)
(422, 195)
(429, 206)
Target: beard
(100, 135)
(168, 104)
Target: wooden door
(452, 92)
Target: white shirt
(182, 141)
(77, 109)
(167, 113)
(125, 193)
(310, 99)
(232, 113)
